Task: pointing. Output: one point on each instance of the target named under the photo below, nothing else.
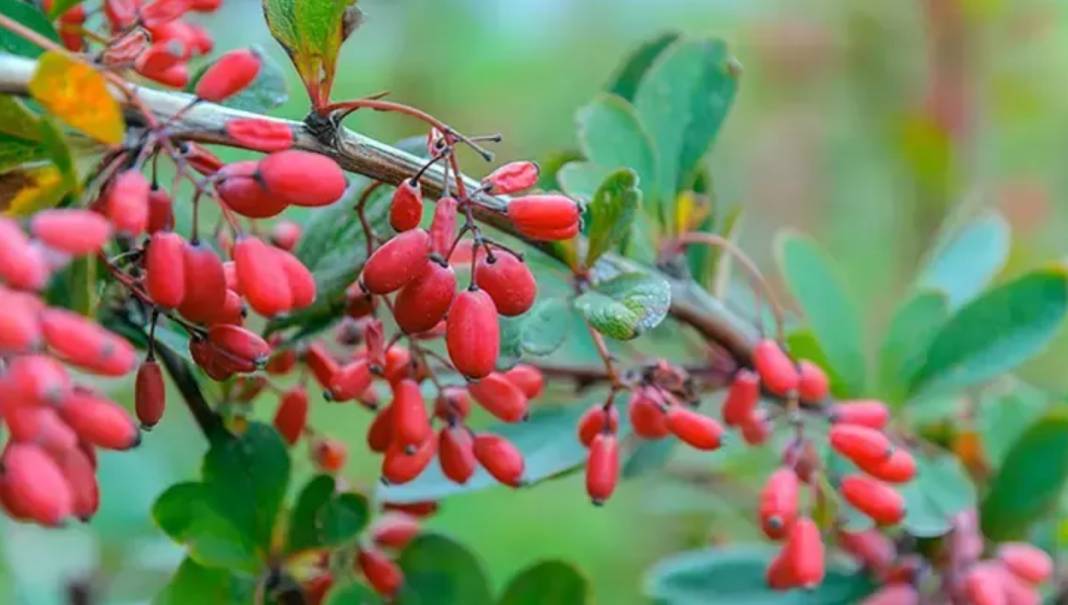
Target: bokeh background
(866, 124)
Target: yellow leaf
(77, 94)
(690, 211)
(30, 188)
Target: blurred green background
(866, 124)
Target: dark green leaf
(18, 121)
(965, 262)
(186, 513)
(266, 92)
(1005, 412)
(682, 101)
(60, 6)
(440, 571)
(59, 151)
(832, 315)
(626, 305)
(1030, 481)
(995, 332)
(15, 152)
(940, 490)
(342, 519)
(193, 583)
(547, 583)
(303, 529)
(31, 17)
(83, 296)
(352, 594)
(911, 330)
(547, 441)
(625, 82)
(611, 212)
(539, 332)
(311, 31)
(648, 455)
(612, 136)
(735, 576)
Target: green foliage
(311, 32)
(351, 594)
(626, 80)
(540, 331)
(735, 576)
(440, 571)
(940, 490)
(611, 213)
(323, 517)
(60, 6)
(546, 583)
(904, 348)
(1030, 481)
(611, 136)
(1005, 412)
(193, 583)
(968, 258)
(626, 305)
(31, 17)
(831, 313)
(995, 332)
(266, 92)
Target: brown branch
(205, 123)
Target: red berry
(871, 548)
(528, 378)
(71, 230)
(22, 266)
(205, 284)
(127, 202)
(512, 178)
(646, 416)
(202, 160)
(401, 466)
(39, 425)
(602, 467)
(452, 404)
(411, 424)
(697, 430)
(898, 468)
(865, 412)
(894, 594)
(329, 455)
(303, 178)
(165, 269)
(423, 302)
(34, 484)
(243, 192)
(803, 553)
(160, 57)
(37, 379)
(397, 262)
(780, 575)
(149, 394)
(472, 334)
(545, 217)
(380, 433)
(301, 282)
(395, 530)
(597, 420)
(261, 277)
(756, 429)
(984, 584)
(1027, 562)
(500, 458)
(240, 343)
(742, 397)
(398, 364)
(350, 381)
(500, 397)
(175, 76)
(160, 210)
(873, 498)
(162, 11)
(210, 359)
(443, 226)
(121, 14)
(406, 207)
(229, 75)
(285, 234)
(860, 444)
(260, 134)
(99, 421)
(778, 503)
(812, 383)
(80, 476)
(281, 362)
(205, 6)
(292, 414)
(777, 371)
(383, 575)
(456, 453)
(509, 283)
(321, 363)
(86, 344)
(20, 328)
(419, 509)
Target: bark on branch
(354, 152)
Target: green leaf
(625, 82)
(352, 594)
(186, 513)
(81, 276)
(55, 142)
(611, 136)
(1030, 481)
(995, 332)
(547, 441)
(312, 31)
(31, 17)
(440, 571)
(322, 517)
(832, 315)
(547, 583)
(911, 331)
(682, 101)
(735, 576)
(540, 331)
(626, 305)
(266, 92)
(611, 213)
(18, 121)
(965, 262)
(15, 151)
(581, 179)
(60, 6)
(940, 490)
(551, 164)
(1004, 414)
(193, 583)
